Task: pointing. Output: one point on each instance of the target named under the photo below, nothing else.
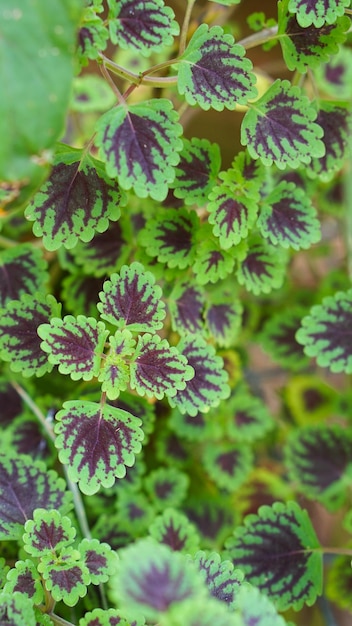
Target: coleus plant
(151, 470)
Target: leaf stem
(35, 409)
(7, 243)
(185, 25)
(257, 39)
(142, 78)
(59, 621)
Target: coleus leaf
(47, 531)
(317, 12)
(196, 173)
(91, 93)
(209, 385)
(166, 487)
(22, 270)
(106, 252)
(96, 442)
(134, 513)
(110, 617)
(278, 551)
(319, 461)
(222, 580)
(336, 121)
(151, 578)
(325, 333)
(197, 427)
(288, 218)
(174, 529)
(223, 317)
(214, 72)
(228, 464)
(140, 145)
(338, 583)
(16, 609)
(77, 200)
(145, 26)
(139, 407)
(263, 267)
(212, 262)
(254, 607)
(309, 399)
(19, 340)
(335, 77)
(170, 237)
(92, 36)
(80, 293)
(204, 613)
(115, 373)
(278, 337)
(74, 344)
(186, 304)
(26, 485)
(279, 128)
(99, 559)
(65, 575)
(132, 299)
(158, 369)
(245, 417)
(25, 579)
(308, 46)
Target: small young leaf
(278, 336)
(209, 385)
(170, 237)
(96, 443)
(222, 580)
(91, 93)
(245, 417)
(16, 609)
(338, 583)
(174, 530)
(214, 72)
(166, 487)
(92, 36)
(228, 464)
(98, 558)
(223, 318)
(276, 551)
(132, 299)
(134, 513)
(263, 268)
(47, 532)
(77, 200)
(22, 270)
(152, 578)
(335, 77)
(74, 344)
(326, 332)
(140, 145)
(19, 340)
(25, 579)
(115, 373)
(145, 26)
(196, 173)
(26, 485)
(288, 218)
(186, 304)
(280, 127)
(256, 608)
(308, 46)
(317, 12)
(212, 263)
(110, 617)
(158, 369)
(65, 575)
(319, 459)
(336, 121)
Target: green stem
(7, 243)
(35, 409)
(141, 79)
(185, 25)
(59, 621)
(257, 39)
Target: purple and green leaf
(16, 609)
(326, 332)
(255, 608)
(48, 531)
(158, 369)
(336, 121)
(65, 575)
(280, 128)
(220, 577)
(26, 485)
(209, 384)
(98, 558)
(214, 72)
(92, 36)
(288, 218)
(96, 443)
(106, 252)
(228, 464)
(115, 373)
(196, 173)
(166, 487)
(279, 553)
(278, 337)
(212, 263)
(245, 417)
(110, 617)
(140, 145)
(223, 317)
(263, 268)
(77, 200)
(186, 304)
(173, 529)
(19, 341)
(75, 344)
(131, 299)
(23, 270)
(24, 578)
(317, 13)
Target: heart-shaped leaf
(212, 263)
(96, 442)
(166, 486)
(209, 385)
(197, 170)
(224, 319)
(279, 128)
(144, 26)
(19, 340)
(22, 270)
(317, 13)
(263, 267)
(98, 557)
(213, 71)
(326, 332)
(278, 551)
(158, 369)
(288, 218)
(77, 200)
(26, 485)
(233, 211)
(245, 417)
(65, 575)
(25, 579)
(174, 530)
(140, 145)
(47, 532)
(132, 299)
(74, 344)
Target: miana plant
(175, 329)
